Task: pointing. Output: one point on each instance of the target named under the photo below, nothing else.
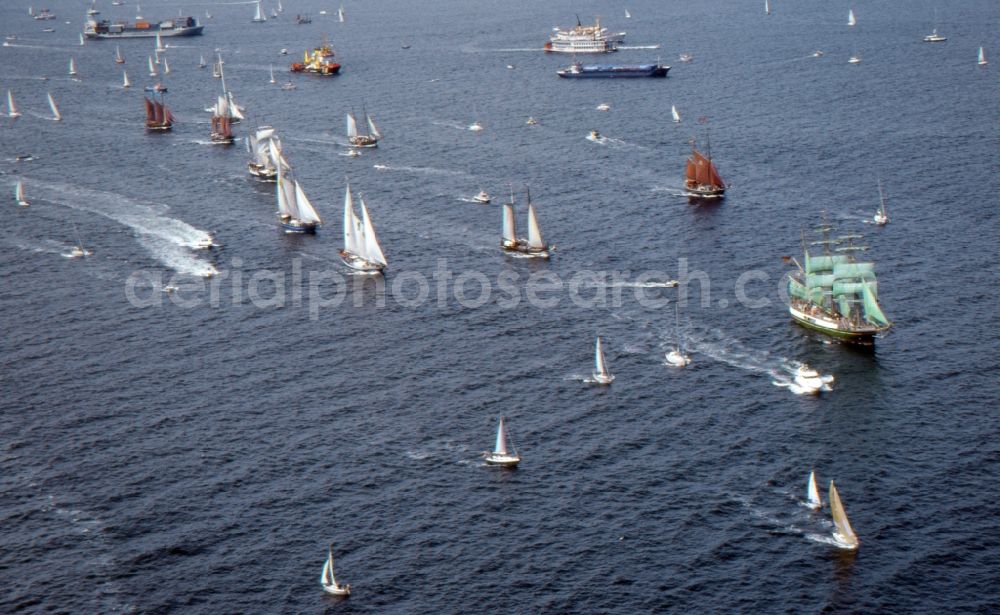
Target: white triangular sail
(844, 533)
(350, 227)
(11, 107)
(152, 68)
(340, 14)
(201, 61)
(118, 56)
(812, 492)
(125, 81)
(509, 228)
(627, 14)
(72, 66)
(675, 114)
(234, 109)
(501, 445)
(307, 213)
(352, 125)
(166, 67)
(159, 43)
(372, 249)
(767, 7)
(327, 577)
(982, 57)
(55, 110)
(850, 17)
(373, 129)
(19, 192)
(258, 13)
(600, 365)
(534, 231)
(272, 74)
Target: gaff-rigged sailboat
(329, 582)
(534, 245)
(158, 116)
(222, 131)
(500, 455)
(368, 138)
(362, 251)
(835, 294)
(843, 534)
(295, 212)
(601, 374)
(701, 179)
(812, 493)
(56, 116)
(11, 107)
(259, 147)
(19, 194)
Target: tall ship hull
(613, 71)
(181, 26)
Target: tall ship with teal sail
(834, 292)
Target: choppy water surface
(200, 455)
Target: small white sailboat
(812, 493)
(500, 455)
(272, 74)
(854, 59)
(81, 39)
(329, 582)
(851, 20)
(11, 107)
(601, 374)
(72, 67)
(843, 534)
(159, 43)
(362, 251)
(19, 194)
(881, 218)
(125, 82)
(677, 357)
(534, 245)
(201, 61)
(767, 7)
(340, 14)
(604, 107)
(56, 116)
(258, 15)
(982, 58)
(78, 250)
(166, 67)
(675, 114)
(216, 70)
(483, 197)
(118, 56)
(627, 14)
(152, 68)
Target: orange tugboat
(320, 62)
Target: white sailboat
(78, 250)
(272, 74)
(72, 67)
(843, 534)
(851, 20)
(125, 82)
(201, 61)
(56, 116)
(675, 114)
(812, 493)
(601, 374)
(767, 7)
(982, 58)
(159, 43)
(118, 56)
(369, 138)
(329, 582)
(258, 145)
(258, 15)
(362, 251)
(166, 67)
(500, 455)
(81, 39)
(152, 68)
(627, 14)
(11, 107)
(534, 245)
(340, 14)
(854, 59)
(881, 218)
(295, 212)
(677, 357)
(19, 194)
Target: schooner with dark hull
(834, 293)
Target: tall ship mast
(833, 292)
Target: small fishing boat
(158, 116)
(601, 374)
(500, 456)
(329, 582)
(812, 492)
(843, 534)
(362, 251)
(368, 137)
(118, 56)
(19, 194)
(11, 107)
(677, 357)
(534, 245)
(934, 37)
(72, 67)
(295, 212)
(981, 61)
(881, 218)
(222, 131)
(851, 20)
(701, 179)
(56, 116)
(675, 114)
(125, 82)
(482, 197)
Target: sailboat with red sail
(158, 116)
(222, 131)
(701, 178)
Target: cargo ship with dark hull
(179, 26)
(611, 71)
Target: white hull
(678, 359)
(337, 590)
(501, 460)
(602, 378)
(359, 264)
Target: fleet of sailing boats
(329, 581)
(601, 374)
(367, 137)
(701, 179)
(362, 251)
(534, 245)
(500, 456)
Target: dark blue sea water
(199, 456)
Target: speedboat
(808, 380)
(686, 57)
(604, 107)
(817, 54)
(482, 197)
(676, 358)
(855, 59)
(475, 127)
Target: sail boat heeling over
(812, 492)
(534, 245)
(601, 374)
(11, 107)
(56, 116)
(329, 581)
(835, 294)
(844, 534)
(362, 251)
(500, 455)
(295, 212)
(370, 136)
(701, 179)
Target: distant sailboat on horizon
(56, 116)
(601, 374)
(329, 581)
(851, 20)
(500, 456)
(843, 534)
(812, 493)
